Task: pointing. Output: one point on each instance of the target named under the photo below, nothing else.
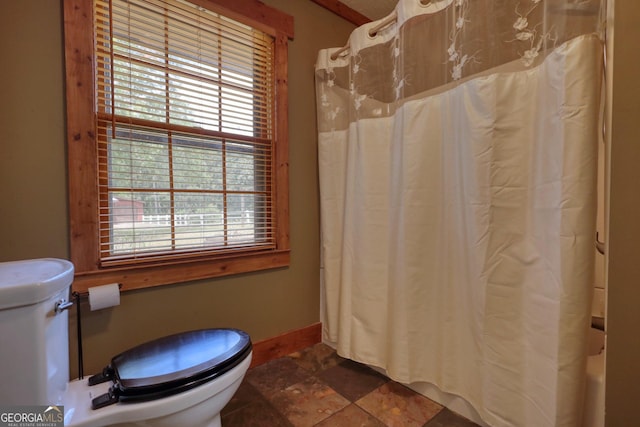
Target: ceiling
(372, 9)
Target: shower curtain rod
(372, 32)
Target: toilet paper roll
(104, 296)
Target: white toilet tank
(34, 349)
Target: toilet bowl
(181, 379)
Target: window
(177, 139)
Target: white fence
(245, 217)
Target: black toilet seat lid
(176, 363)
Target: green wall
(33, 191)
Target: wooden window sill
(144, 276)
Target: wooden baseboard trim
(289, 342)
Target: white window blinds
(185, 131)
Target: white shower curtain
(457, 154)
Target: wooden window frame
(82, 148)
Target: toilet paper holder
(85, 295)
(63, 305)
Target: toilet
(178, 380)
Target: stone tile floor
(316, 387)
